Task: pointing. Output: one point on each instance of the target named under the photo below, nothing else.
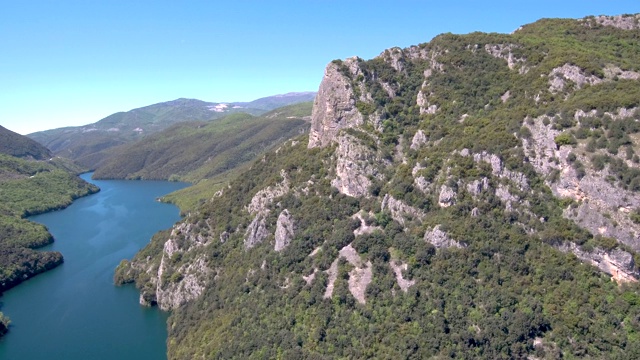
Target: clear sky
(74, 62)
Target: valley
(473, 196)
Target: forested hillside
(206, 154)
(88, 145)
(17, 145)
(28, 187)
(476, 196)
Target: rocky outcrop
(617, 263)
(285, 230)
(478, 186)
(334, 107)
(359, 277)
(400, 211)
(257, 230)
(440, 239)
(498, 169)
(447, 196)
(263, 198)
(418, 140)
(422, 100)
(398, 268)
(363, 228)
(559, 75)
(186, 285)
(355, 164)
(172, 283)
(612, 72)
(601, 207)
(504, 51)
(394, 57)
(309, 278)
(624, 22)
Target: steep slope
(14, 144)
(471, 197)
(87, 144)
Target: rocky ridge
(409, 168)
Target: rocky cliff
(474, 196)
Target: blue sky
(69, 63)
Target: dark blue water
(74, 311)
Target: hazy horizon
(74, 63)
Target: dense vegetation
(29, 187)
(504, 292)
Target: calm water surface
(74, 311)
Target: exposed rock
(224, 236)
(617, 263)
(397, 268)
(624, 22)
(541, 144)
(440, 239)
(256, 231)
(400, 211)
(309, 278)
(263, 198)
(334, 107)
(558, 75)
(315, 251)
(422, 184)
(363, 228)
(505, 96)
(418, 140)
(284, 230)
(504, 51)
(502, 192)
(425, 106)
(359, 277)
(500, 171)
(612, 72)
(172, 294)
(477, 186)
(394, 57)
(190, 233)
(389, 89)
(355, 163)
(475, 212)
(596, 217)
(594, 195)
(447, 196)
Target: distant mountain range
(87, 144)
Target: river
(74, 311)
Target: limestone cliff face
(285, 230)
(355, 166)
(172, 283)
(334, 107)
(602, 207)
